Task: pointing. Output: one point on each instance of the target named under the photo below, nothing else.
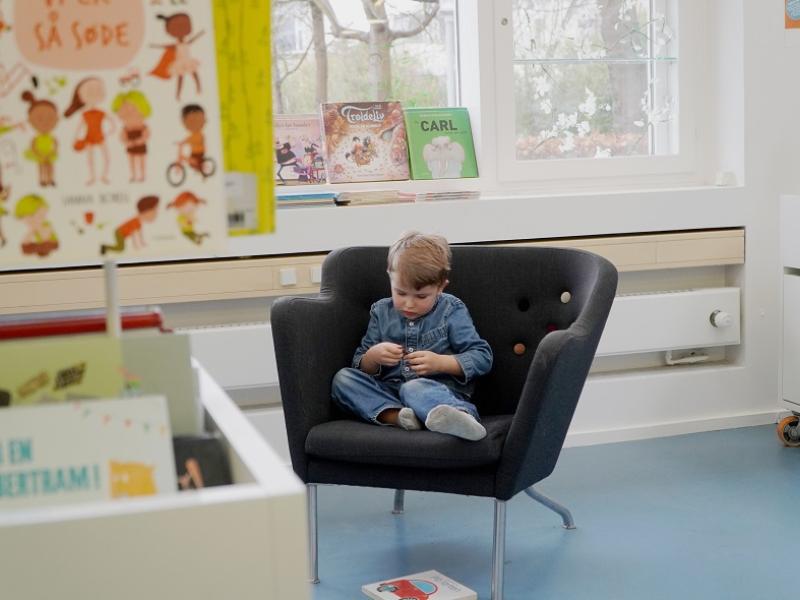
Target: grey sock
(448, 419)
(408, 420)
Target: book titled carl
(419, 586)
(440, 143)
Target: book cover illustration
(243, 32)
(298, 150)
(440, 144)
(109, 132)
(428, 585)
(201, 461)
(365, 141)
(56, 369)
(85, 451)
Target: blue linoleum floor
(701, 516)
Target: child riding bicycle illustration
(194, 119)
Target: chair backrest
(515, 295)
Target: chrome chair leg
(566, 516)
(312, 532)
(399, 501)
(498, 549)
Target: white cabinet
(243, 541)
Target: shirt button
(406, 369)
(410, 349)
(411, 323)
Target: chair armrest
(553, 385)
(313, 338)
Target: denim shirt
(446, 329)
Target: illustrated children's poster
(365, 141)
(298, 150)
(85, 451)
(109, 131)
(440, 143)
(244, 69)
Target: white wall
(751, 132)
(752, 109)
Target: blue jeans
(367, 397)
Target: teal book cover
(440, 143)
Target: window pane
(371, 50)
(569, 29)
(594, 78)
(588, 110)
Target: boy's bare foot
(448, 419)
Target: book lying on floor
(428, 585)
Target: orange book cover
(365, 141)
(791, 14)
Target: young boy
(418, 359)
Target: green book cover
(440, 143)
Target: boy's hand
(385, 353)
(424, 362)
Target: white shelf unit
(790, 260)
(243, 541)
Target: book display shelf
(246, 540)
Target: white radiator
(654, 321)
(242, 356)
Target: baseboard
(656, 430)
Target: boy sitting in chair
(421, 353)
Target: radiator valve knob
(720, 318)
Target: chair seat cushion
(360, 442)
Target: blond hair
(420, 259)
(134, 97)
(29, 205)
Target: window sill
(500, 216)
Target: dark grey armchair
(542, 310)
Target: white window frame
(485, 76)
(683, 167)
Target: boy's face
(410, 302)
(195, 121)
(149, 215)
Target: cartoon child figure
(91, 134)
(307, 167)
(194, 119)
(186, 203)
(176, 60)
(147, 210)
(356, 151)
(40, 238)
(132, 108)
(43, 117)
